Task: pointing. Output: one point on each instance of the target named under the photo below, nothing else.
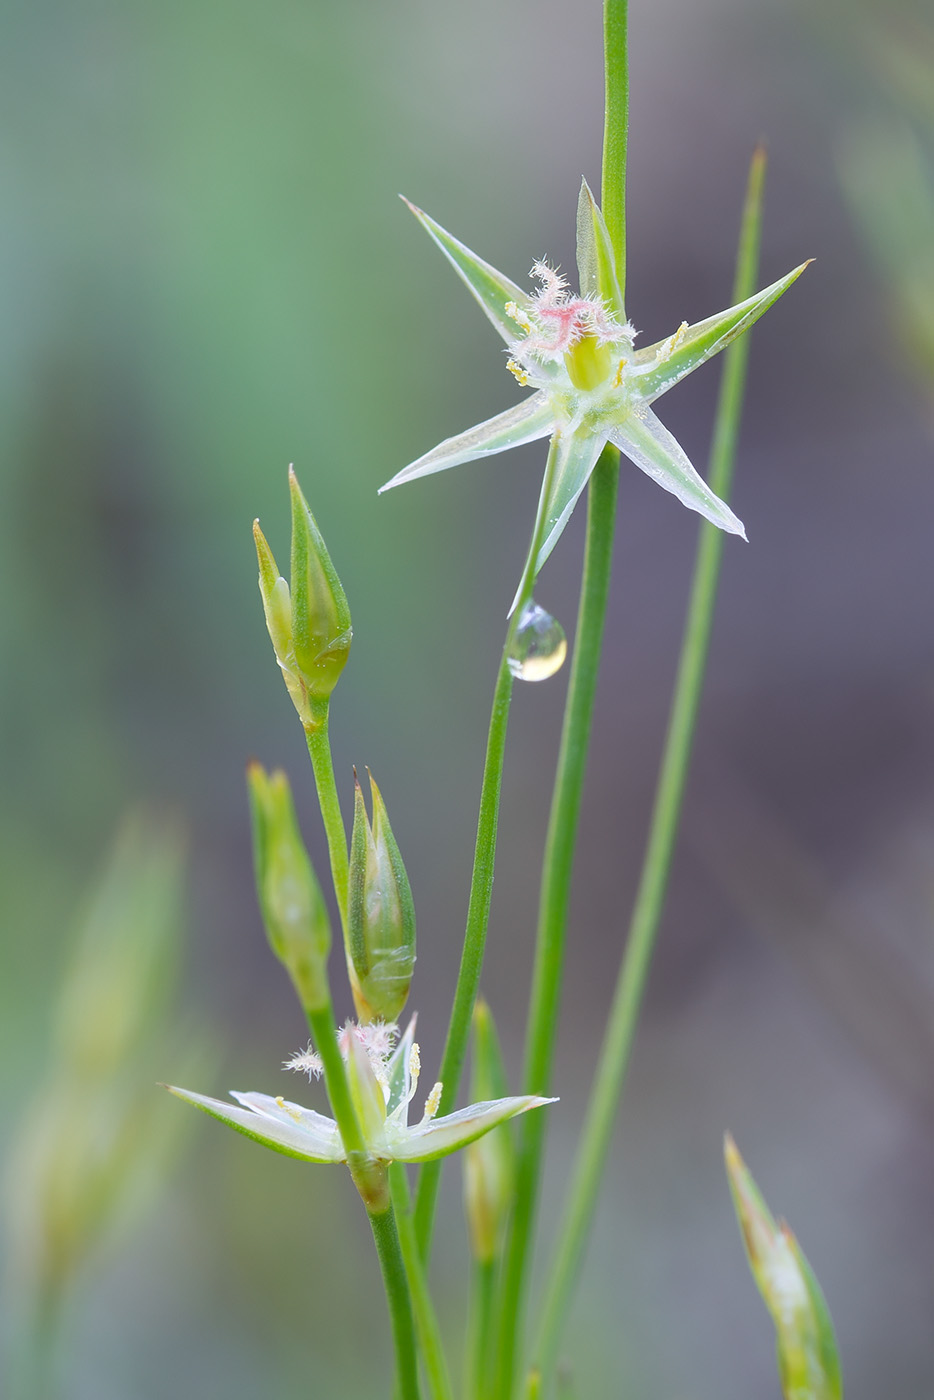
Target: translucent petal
(647, 442)
(660, 366)
(439, 1136)
(526, 422)
(285, 1111)
(492, 290)
(365, 1090)
(399, 1077)
(596, 265)
(575, 456)
(290, 1138)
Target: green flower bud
(321, 631)
(808, 1364)
(380, 915)
(290, 898)
(309, 624)
(488, 1162)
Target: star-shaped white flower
(591, 385)
(382, 1083)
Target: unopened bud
(309, 623)
(290, 898)
(488, 1162)
(380, 915)
(808, 1363)
(321, 631)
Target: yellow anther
(520, 318)
(515, 368)
(620, 372)
(672, 343)
(415, 1064)
(292, 1112)
(433, 1100)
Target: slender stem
(614, 1057)
(554, 897)
(426, 1320)
(481, 1332)
(395, 1282)
(616, 128)
(321, 1021)
(319, 749)
(481, 881)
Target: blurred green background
(205, 275)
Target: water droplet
(539, 645)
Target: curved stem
(555, 894)
(481, 881)
(386, 1239)
(614, 1057)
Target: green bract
(290, 897)
(382, 1085)
(380, 915)
(309, 624)
(592, 387)
(808, 1364)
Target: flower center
(589, 362)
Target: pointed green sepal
(290, 897)
(321, 630)
(492, 289)
(658, 368)
(489, 1166)
(808, 1363)
(596, 265)
(380, 915)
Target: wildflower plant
(591, 394)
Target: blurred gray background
(205, 275)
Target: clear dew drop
(539, 645)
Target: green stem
(319, 749)
(554, 898)
(426, 1320)
(482, 1331)
(616, 128)
(321, 1021)
(395, 1282)
(614, 1057)
(481, 880)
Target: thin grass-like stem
(319, 750)
(627, 1001)
(553, 904)
(616, 128)
(426, 1319)
(481, 1332)
(396, 1284)
(481, 881)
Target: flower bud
(380, 915)
(808, 1364)
(290, 898)
(321, 631)
(488, 1162)
(309, 624)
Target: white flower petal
(646, 441)
(526, 422)
(437, 1137)
(290, 1138)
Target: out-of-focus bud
(309, 623)
(488, 1162)
(380, 915)
(290, 898)
(808, 1363)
